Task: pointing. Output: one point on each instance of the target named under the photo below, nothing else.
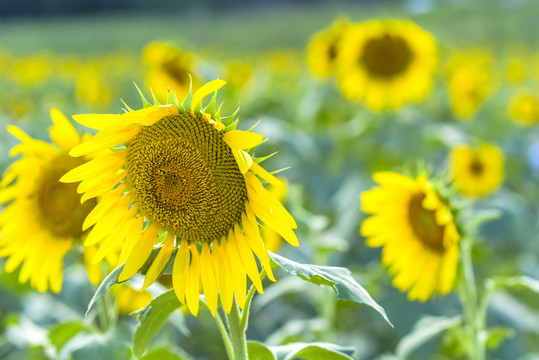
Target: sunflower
(168, 67)
(386, 63)
(322, 49)
(524, 108)
(181, 180)
(469, 78)
(44, 212)
(416, 229)
(476, 172)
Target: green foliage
(312, 351)
(152, 319)
(426, 328)
(110, 280)
(162, 353)
(340, 279)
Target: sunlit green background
(332, 146)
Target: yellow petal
(63, 133)
(96, 166)
(98, 121)
(226, 291)
(160, 261)
(102, 188)
(192, 293)
(264, 174)
(180, 271)
(238, 139)
(131, 238)
(237, 272)
(252, 234)
(205, 90)
(247, 259)
(243, 159)
(105, 204)
(139, 257)
(106, 142)
(207, 275)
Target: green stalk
(468, 291)
(224, 333)
(106, 312)
(237, 333)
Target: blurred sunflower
(416, 228)
(476, 172)
(386, 63)
(32, 70)
(90, 89)
(129, 300)
(168, 68)
(181, 179)
(469, 78)
(524, 108)
(46, 213)
(515, 70)
(322, 49)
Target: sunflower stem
(474, 325)
(224, 333)
(106, 312)
(248, 300)
(237, 333)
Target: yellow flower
(323, 47)
(524, 108)
(91, 90)
(182, 180)
(476, 172)
(129, 300)
(416, 229)
(32, 70)
(386, 63)
(168, 68)
(515, 71)
(469, 78)
(43, 216)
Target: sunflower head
(469, 79)
(524, 108)
(386, 63)
(181, 177)
(477, 172)
(40, 208)
(168, 68)
(416, 228)
(323, 48)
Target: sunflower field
(335, 180)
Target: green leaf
(162, 353)
(497, 334)
(259, 351)
(340, 279)
(152, 319)
(61, 334)
(110, 280)
(425, 329)
(312, 351)
(516, 282)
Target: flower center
(185, 178)
(58, 203)
(476, 167)
(177, 72)
(424, 224)
(386, 56)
